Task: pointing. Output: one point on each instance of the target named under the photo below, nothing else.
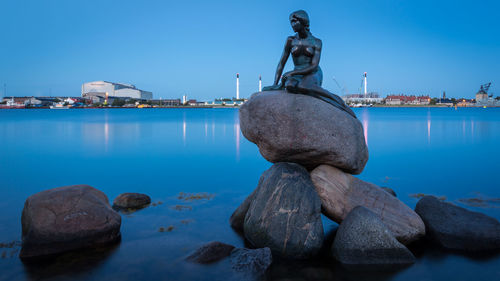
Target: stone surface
(457, 228)
(341, 192)
(237, 219)
(253, 261)
(305, 130)
(389, 190)
(363, 239)
(285, 214)
(131, 200)
(66, 218)
(210, 252)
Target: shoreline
(230, 106)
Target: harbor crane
(485, 87)
(342, 89)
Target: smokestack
(260, 83)
(365, 85)
(237, 86)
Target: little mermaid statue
(306, 77)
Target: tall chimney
(366, 82)
(237, 86)
(260, 83)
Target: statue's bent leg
(315, 90)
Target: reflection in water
(237, 136)
(428, 126)
(463, 128)
(74, 263)
(184, 128)
(365, 118)
(472, 128)
(206, 129)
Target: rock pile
(316, 147)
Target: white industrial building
(104, 89)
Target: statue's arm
(284, 58)
(314, 62)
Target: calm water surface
(162, 152)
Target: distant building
(410, 100)
(100, 90)
(362, 98)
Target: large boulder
(285, 214)
(66, 218)
(237, 219)
(362, 239)
(305, 130)
(457, 228)
(341, 192)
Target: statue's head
(299, 19)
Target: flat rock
(131, 200)
(341, 192)
(67, 218)
(305, 130)
(457, 228)
(285, 214)
(252, 261)
(210, 252)
(362, 240)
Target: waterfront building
(368, 98)
(408, 100)
(102, 90)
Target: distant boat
(59, 106)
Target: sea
(172, 153)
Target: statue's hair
(302, 16)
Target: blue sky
(197, 47)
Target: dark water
(162, 152)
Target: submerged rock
(457, 228)
(210, 252)
(363, 240)
(285, 214)
(341, 192)
(251, 261)
(389, 190)
(67, 218)
(131, 200)
(305, 130)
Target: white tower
(365, 85)
(260, 83)
(237, 86)
(184, 99)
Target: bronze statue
(306, 77)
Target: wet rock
(210, 252)
(252, 261)
(131, 200)
(305, 130)
(389, 190)
(457, 228)
(341, 192)
(238, 217)
(363, 241)
(67, 218)
(285, 214)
